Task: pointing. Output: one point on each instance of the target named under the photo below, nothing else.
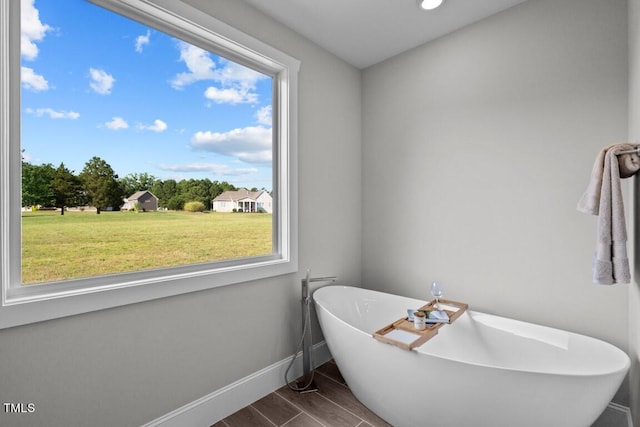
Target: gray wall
(477, 147)
(130, 365)
(634, 135)
(475, 150)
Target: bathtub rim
(421, 350)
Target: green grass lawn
(83, 244)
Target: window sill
(30, 305)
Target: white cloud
(53, 113)
(214, 168)
(142, 41)
(199, 64)
(264, 116)
(32, 30)
(157, 126)
(236, 74)
(117, 123)
(230, 96)
(101, 81)
(26, 156)
(236, 83)
(32, 81)
(250, 144)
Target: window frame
(33, 303)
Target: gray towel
(603, 197)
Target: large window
(155, 148)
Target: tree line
(99, 186)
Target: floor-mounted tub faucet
(307, 380)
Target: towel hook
(634, 151)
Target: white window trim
(27, 304)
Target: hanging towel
(603, 197)
(629, 164)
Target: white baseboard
(622, 410)
(221, 403)
(614, 415)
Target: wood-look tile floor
(333, 405)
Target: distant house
(146, 199)
(243, 200)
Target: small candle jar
(419, 320)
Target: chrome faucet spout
(306, 297)
(323, 279)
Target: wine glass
(437, 292)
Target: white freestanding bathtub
(481, 370)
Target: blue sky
(97, 84)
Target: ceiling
(365, 32)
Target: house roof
(138, 194)
(234, 196)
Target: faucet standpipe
(306, 342)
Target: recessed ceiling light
(429, 4)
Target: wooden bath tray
(402, 333)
